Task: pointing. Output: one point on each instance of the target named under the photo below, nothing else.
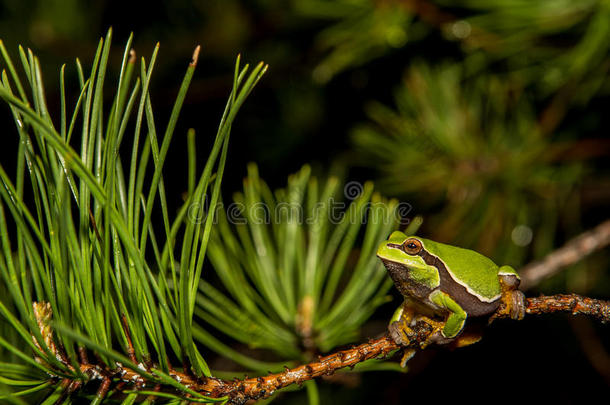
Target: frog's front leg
(400, 331)
(399, 327)
(513, 301)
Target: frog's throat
(405, 285)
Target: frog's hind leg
(445, 332)
(466, 338)
(407, 355)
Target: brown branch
(571, 303)
(103, 389)
(131, 353)
(572, 252)
(261, 387)
(241, 391)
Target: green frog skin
(439, 280)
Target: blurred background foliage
(287, 259)
(489, 117)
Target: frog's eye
(412, 246)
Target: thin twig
(82, 355)
(254, 388)
(131, 353)
(572, 252)
(103, 389)
(571, 303)
(241, 391)
(261, 387)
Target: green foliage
(84, 268)
(478, 140)
(364, 30)
(487, 138)
(547, 44)
(286, 258)
(473, 148)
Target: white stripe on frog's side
(466, 286)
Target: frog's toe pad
(517, 305)
(510, 281)
(399, 333)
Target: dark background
(292, 119)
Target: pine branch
(571, 303)
(240, 391)
(132, 381)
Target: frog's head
(402, 250)
(401, 254)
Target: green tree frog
(445, 282)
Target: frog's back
(477, 273)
